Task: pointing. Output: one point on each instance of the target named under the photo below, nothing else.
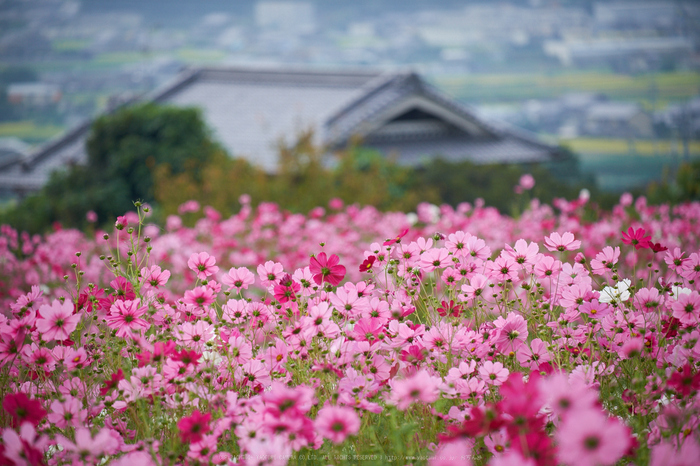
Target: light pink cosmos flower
(195, 335)
(666, 454)
(88, 448)
(203, 265)
(511, 333)
(456, 243)
(420, 387)
(565, 242)
(522, 253)
(493, 373)
(336, 423)
(675, 260)
(527, 181)
(134, 458)
(534, 355)
(457, 452)
(435, 259)
(477, 284)
(26, 448)
(589, 438)
(270, 273)
(476, 247)
(239, 278)
(503, 269)
(125, 317)
(691, 267)
(687, 308)
(547, 267)
(512, 458)
(69, 413)
(57, 321)
(562, 396)
(605, 260)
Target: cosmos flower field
(352, 336)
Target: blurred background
(617, 83)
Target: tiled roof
(251, 110)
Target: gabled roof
(251, 111)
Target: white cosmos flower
(678, 291)
(618, 293)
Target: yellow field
(201, 55)
(28, 130)
(669, 86)
(623, 146)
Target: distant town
(606, 78)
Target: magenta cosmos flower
(57, 321)
(325, 269)
(193, 428)
(636, 238)
(22, 409)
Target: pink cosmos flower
(476, 247)
(25, 449)
(565, 242)
(605, 260)
(57, 321)
(195, 335)
(691, 267)
(503, 269)
(666, 454)
(453, 453)
(69, 413)
(123, 289)
(239, 278)
(327, 269)
(512, 458)
(595, 309)
(336, 423)
(88, 447)
(154, 277)
(435, 259)
(420, 387)
(456, 243)
(511, 333)
(589, 438)
(125, 317)
(563, 396)
(121, 223)
(547, 267)
(527, 181)
(675, 260)
(477, 284)
(522, 253)
(493, 373)
(270, 273)
(203, 265)
(201, 296)
(187, 207)
(687, 308)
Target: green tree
(124, 149)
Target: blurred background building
(616, 82)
